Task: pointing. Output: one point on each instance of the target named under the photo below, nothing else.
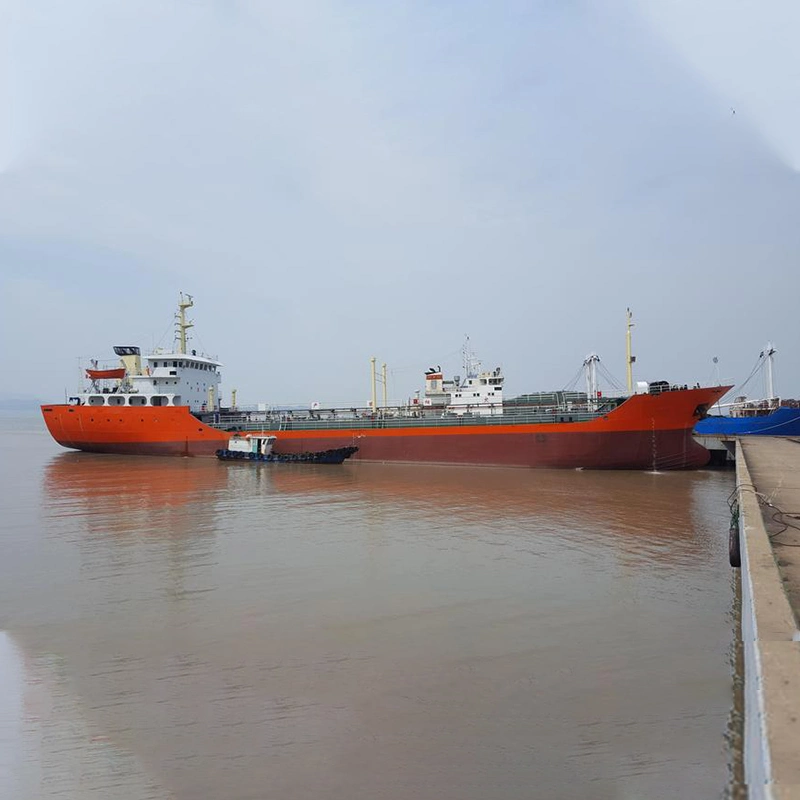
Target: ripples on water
(186, 628)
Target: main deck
(388, 418)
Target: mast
(471, 364)
(629, 359)
(590, 362)
(182, 325)
(769, 352)
(374, 386)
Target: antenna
(629, 359)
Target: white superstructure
(163, 378)
(480, 393)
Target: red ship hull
(164, 431)
(645, 432)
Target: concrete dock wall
(771, 645)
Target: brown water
(178, 628)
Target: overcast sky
(337, 179)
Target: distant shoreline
(16, 406)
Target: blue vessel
(769, 417)
(777, 421)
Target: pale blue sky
(333, 180)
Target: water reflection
(652, 515)
(129, 490)
(150, 520)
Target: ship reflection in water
(225, 630)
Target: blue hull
(781, 422)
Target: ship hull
(579, 450)
(645, 432)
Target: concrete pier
(722, 448)
(768, 489)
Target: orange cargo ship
(167, 403)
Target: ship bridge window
(174, 363)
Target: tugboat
(258, 449)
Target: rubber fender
(734, 547)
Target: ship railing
(256, 421)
